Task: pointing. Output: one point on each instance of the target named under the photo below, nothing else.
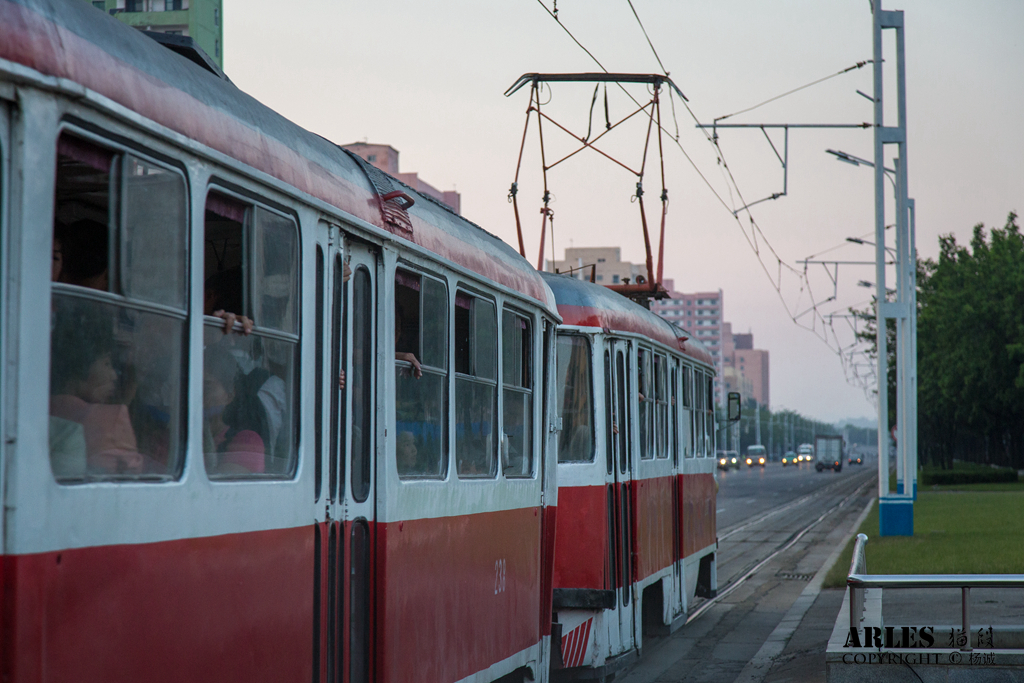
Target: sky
(428, 79)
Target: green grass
(972, 529)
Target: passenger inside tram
(251, 278)
(84, 387)
(420, 387)
(231, 445)
(115, 379)
(80, 253)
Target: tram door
(621, 519)
(358, 443)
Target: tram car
(270, 415)
(636, 537)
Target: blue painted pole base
(895, 516)
(899, 487)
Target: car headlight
(760, 460)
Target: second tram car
(636, 537)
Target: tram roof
(589, 305)
(72, 40)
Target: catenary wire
(755, 228)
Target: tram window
(318, 381)
(361, 416)
(421, 405)
(674, 401)
(610, 426)
(709, 415)
(687, 388)
(688, 440)
(517, 395)
(576, 442)
(645, 398)
(117, 361)
(661, 405)
(698, 414)
(249, 381)
(476, 374)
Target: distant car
(756, 455)
(727, 459)
(805, 452)
(790, 458)
(855, 460)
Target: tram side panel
(461, 538)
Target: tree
(970, 348)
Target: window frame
(445, 373)
(590, 389)
(495, 456)
(117, 209)
(531, 391)
(254, 201)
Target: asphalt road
(777, 527)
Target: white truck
(828, 453)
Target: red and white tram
(635, 540)
(360, 488)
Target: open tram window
(645, 398)
(674, 402)
(250, 402)
(661, 406)
(476, 375)
(119, 308)
(576, 442)
(421, 402)
(517, 395)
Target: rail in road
(794, 520)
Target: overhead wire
(858, 65)
(732, 184)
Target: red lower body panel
(235, 607)
(456, 594)
(581, 544)
(655, 512)
(698, 511)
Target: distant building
(606, 262)
(201, 20)
(700, 314)
(746, 368)
(385, 157)
(752, 364)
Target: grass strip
(967, 530)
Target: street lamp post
(896, 512)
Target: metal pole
(901, 341)
(912, 358)
(908, 350)
(883, 366)
(965, 606)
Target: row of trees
(970, 345)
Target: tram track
(784, 545)
(779, 510)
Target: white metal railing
(858, 581)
